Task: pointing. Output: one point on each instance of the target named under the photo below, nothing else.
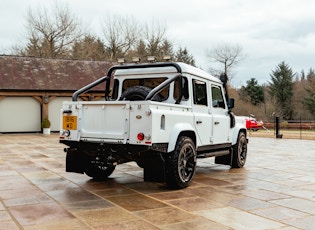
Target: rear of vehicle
(129, 125)
(160, 115)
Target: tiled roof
(29, 73)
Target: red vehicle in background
(253, 124)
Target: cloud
(269, 31)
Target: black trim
(88, 87)
(117, 67)
(163, 85)
(67, 111)
(216, 147)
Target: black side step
(214, 154)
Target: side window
(217, 97)
(114, 91)
(200, 92)
(184, 88)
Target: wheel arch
(181, 129)
(236, 133)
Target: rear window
(185, 91)
(148, 82)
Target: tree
(252, 92)
(182, 55)
(166, 49)
(52, 32)
(89, 47)
(55, 33)
(309, 101)
(121, 35)
(281, 89)
(227, 56)
(156, 42)
(125, 37)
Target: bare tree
(125, 37)
(52, 32)
(155, 39)
(227, 56)
(121, 35)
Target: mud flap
(154, 169)
(75, 161)
(224, 160)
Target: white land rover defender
(162, 115)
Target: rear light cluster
(142, 136)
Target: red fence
(309, 125)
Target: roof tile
(29, 73)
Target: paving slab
(275, 190)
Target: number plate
(69, 122)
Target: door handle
(216, 122)
(199, 122)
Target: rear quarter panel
(161, 121)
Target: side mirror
(231, 103)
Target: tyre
(137, 93)
(239, 151)
(140, 163)
(181, 164)
(98, 170)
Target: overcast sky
(269, 31)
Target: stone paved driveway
(275, 190)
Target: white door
(203, 119)
(221, 118)
(20, 114)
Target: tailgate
(101, 121)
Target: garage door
(54, 108)
(20, 114)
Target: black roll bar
(88, 87)
(118, 67)
(163, 85)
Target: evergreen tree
(182, 55)
(281, 89)
(309, 101)
(166, 49)
(252, 92)
(90, 48)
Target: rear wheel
(181, 164)
(239, 151)
(98, 169)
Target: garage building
(34, 88)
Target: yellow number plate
(69, 122)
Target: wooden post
(45, 102)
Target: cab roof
(158, 68)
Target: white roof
(169, 69)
